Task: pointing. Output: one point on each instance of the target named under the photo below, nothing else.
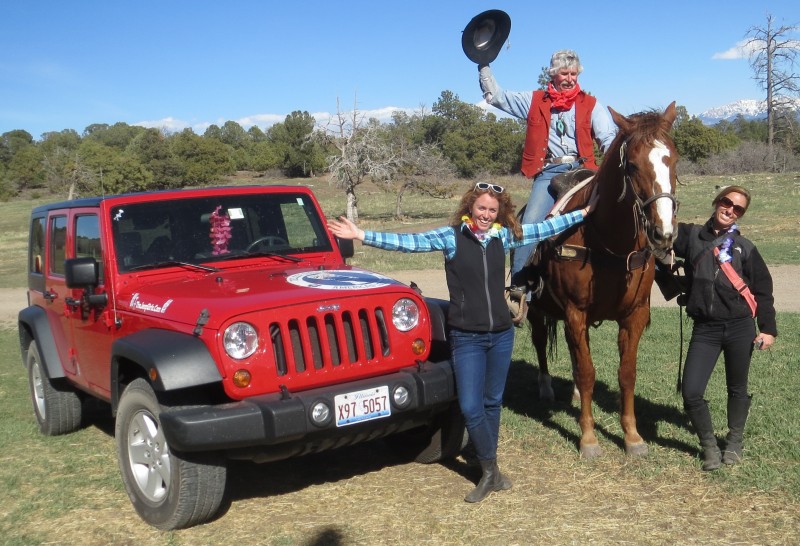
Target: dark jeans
(481, 361)
(733, 338)
(539, 204)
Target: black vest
(475, 280)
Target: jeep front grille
(327, 340)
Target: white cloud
(265, 121)
(170, 124)
(743, 49)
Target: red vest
(535, 149)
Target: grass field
(67, 489)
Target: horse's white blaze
(662, 185)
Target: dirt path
(786, 279)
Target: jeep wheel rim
(148, 456)
(38, 390)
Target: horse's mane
(646, 127)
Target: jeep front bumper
(283, 422)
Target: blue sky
(66, 65)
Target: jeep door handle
(50, 296)
(72, 302)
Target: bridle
(640, 218)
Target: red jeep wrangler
(222, 324)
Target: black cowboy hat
(485, 35)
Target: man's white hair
(564, 58)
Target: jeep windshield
(192, 231)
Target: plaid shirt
(444, 238)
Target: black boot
(491, 480)
(701, 420)
(738, 409)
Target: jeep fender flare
(440, 347)
(438, 312)
(34, 327)
(171, 360)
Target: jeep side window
(87, 239)
(58, 244)
(36, 246)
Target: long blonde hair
(506, 216)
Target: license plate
(355, 407)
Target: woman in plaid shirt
(481, 232)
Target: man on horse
(563, 124)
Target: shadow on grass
(522, 397)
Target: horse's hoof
(637, 450)
(591, 451)
(546, 393)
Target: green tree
(152, 149)
(11, 142)
(696, 142)
(25, 168)
(204, 159)
(294, 138)
(116, 136)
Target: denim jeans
(734, 339)
(539, 204)
(481, 361)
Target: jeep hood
(227, 294)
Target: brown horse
(603, 269)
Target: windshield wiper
(168, 263)
(268, 254)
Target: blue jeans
(481, 361)
(539, 204)
(734, 338)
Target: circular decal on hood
(340, 280)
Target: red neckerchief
(563, 100)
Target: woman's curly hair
(506, 215)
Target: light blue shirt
(518, 104)
(444, 238)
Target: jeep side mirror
(346, 247)
(81, 272)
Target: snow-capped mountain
(747, 108)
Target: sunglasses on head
(738, 210)
(486, 186)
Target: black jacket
(711, 294)
(475, 279)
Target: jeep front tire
(169, 490)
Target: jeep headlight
(405, 314)
(240, 340)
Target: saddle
(562, 183)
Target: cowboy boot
(491, 480)
(738, 409)
(701, 421)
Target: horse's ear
(621, 121)
(670, 114)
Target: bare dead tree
(361, 154)
(772, 57)
(420, 169)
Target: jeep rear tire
(441, 440)
(56, 405)
(169, 490)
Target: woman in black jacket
(717, 261)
